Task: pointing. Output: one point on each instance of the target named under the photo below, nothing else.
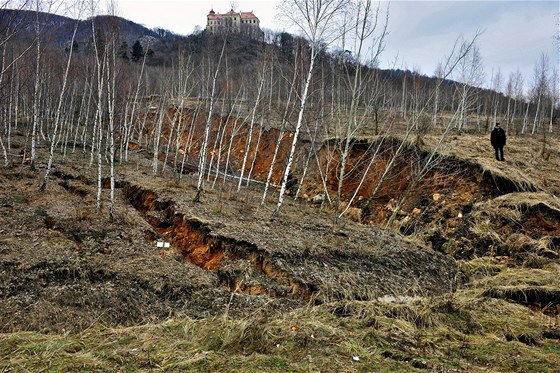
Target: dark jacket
(498, 137)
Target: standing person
(498, 141)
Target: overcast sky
(421, 33)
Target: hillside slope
(236, 291)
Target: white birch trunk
(58, 112)
(250, 134)
(303, 102)
(202, 162)
(4, 152)
(36, 95)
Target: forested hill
(57, 30)
(163, 48)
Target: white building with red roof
(235, 22)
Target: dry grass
(524, 165)
(518, 223)
(527, 200)
(519, 277)
(462, 332)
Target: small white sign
(166, 244)
(162, 244)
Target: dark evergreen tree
(137, 51)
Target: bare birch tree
(61, 98)
(317, 20)
(286, 114)
(459, 52)
(112, 73)
(262, 79)
(207, 127)
(129, 121)
(539, 90)
(368, 26)
(554, 97)
(469, 75)
(36, 89)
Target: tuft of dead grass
(527, 171)
(460, 332)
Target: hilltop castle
(235, 22)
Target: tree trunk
(202, 161)
(303, 102)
